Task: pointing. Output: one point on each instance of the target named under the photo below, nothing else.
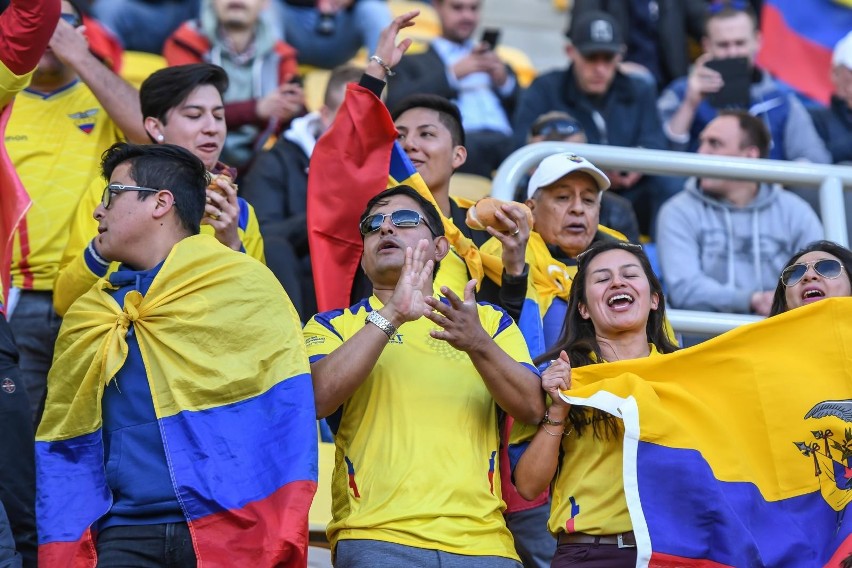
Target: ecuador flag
(231, 387)
(14, 203)
(738, 452)
(798, 40)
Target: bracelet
(563, 433)
(547, 420)
(384, 65)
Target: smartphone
(491, 36)
(736, 73)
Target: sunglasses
(402, 218)
(115, 188)
(71, 19)
(719, 5)
(623, 245)
(827, 268)
(557, 128)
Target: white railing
(831, 181)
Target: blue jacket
(624, 116)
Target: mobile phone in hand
(491, 37)
(736, 73)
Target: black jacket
(834, 125)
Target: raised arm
(118, 97)
(25, 30)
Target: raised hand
(459, 320)
(222, 213)
(408, 303)
(555, 378)
(387, 49)
(514, 241)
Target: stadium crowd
(226, 220)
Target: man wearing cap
(834, 124)
(564, 195)
(614, 108)
(731, 31)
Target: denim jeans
(534, 543)
(146, 546)
(353, 29)
(8, 557)
(356, 553)
(35, 326)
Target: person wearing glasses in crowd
(414, 387)
(143, 383)
(818, 271)
(182, 105)
(74, 109)
(616, 311)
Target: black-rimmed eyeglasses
(115, 188)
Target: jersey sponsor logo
(17, 138)
(84, 120)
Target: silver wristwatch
(381, 322)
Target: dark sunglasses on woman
(827, 268)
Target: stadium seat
(520, 62)
(426, 26)
(469, 186)
(314, 82)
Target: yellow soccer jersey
(55, 142)
(11, 84)
(417, 444)
(78, 271)
(588, 491)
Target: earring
(160, 138)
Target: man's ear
(164, 203)
(459, 157)
(442, 248)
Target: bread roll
(215, 186)
(482, 214)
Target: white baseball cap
(559, 165)
(843, 52)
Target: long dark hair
(779, 300)
(578, 337)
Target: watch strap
(381, 322)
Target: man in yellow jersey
(73, 110)
(413, 387)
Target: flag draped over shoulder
(357, 158)
(738, 452)
(14, 203)
(230, 382)
(798, 40)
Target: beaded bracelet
(384, 65)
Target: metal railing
(831, 181)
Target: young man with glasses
(722, 242)
(411, 385)
(176, 379)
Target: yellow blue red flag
(231, 387)
(738, 452)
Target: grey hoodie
(715, 255)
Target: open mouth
(575, 228)
(388, 245)
(101, 230)
(813, 294)
(209, 147)
(620, 301)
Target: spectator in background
(328, 33)
(614, 108)
(557, 126)
(834, 124)
(73, 110)
(469, 73)
(276, 185)
(263, 94)
(144, 25)
(657, 33)
(723, 242)
(730, 32)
